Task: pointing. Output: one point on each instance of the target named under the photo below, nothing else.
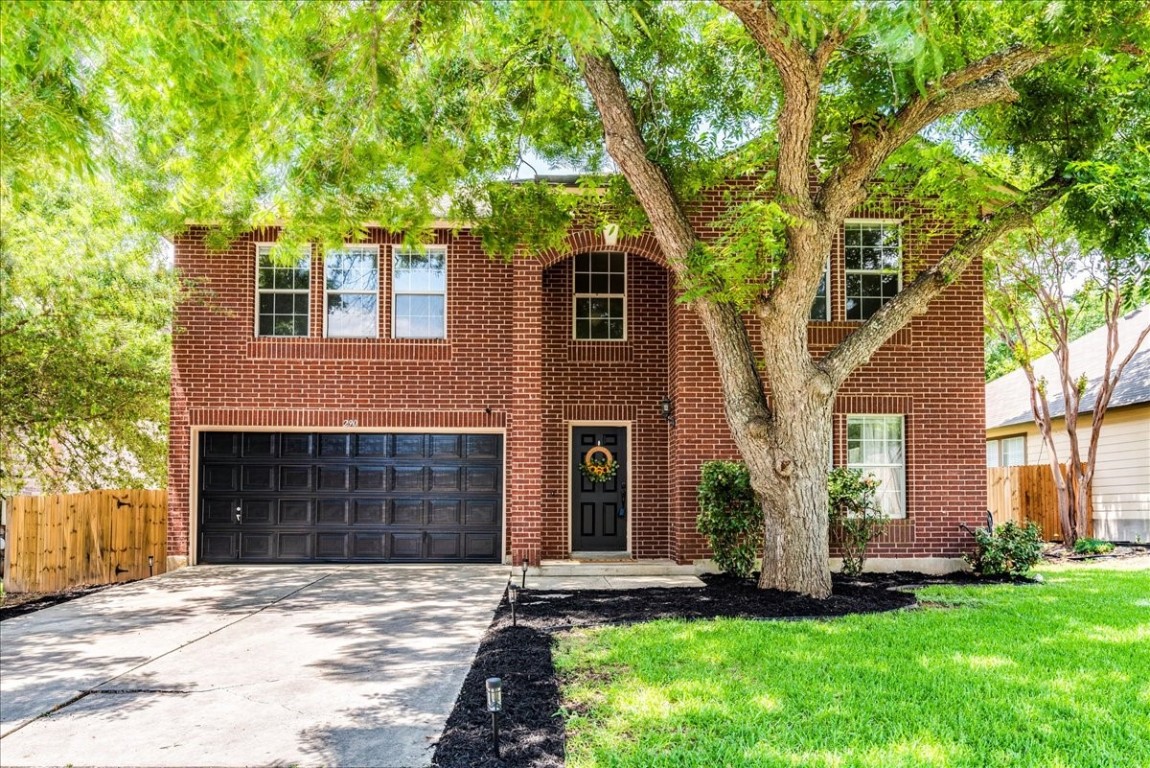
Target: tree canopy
(324, 117)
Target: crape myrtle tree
(323, 117)
(1029, 309)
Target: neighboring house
(1121, 492)
(372, 404)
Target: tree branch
(857, 348)
(742, 389)
(984, 82)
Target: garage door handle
(239, 515)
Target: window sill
(830, 333)
(587, 351)
(311, 348)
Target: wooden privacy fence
(98, 537)
(1027, 493)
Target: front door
(599, 504)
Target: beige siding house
(1122, 472)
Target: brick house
(376, 405)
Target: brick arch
(585, 240)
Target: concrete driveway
(235, 666)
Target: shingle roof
(1008, 397)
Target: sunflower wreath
(599, 465)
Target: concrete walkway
(232, 666)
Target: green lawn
(1054, 675)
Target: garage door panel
(443, 546)
(370, 478)
(258, 512)
(480, 546)
(407, 512)
(297, 446)
(443, 513)
(407, 546)
(348, 497)
(333, 478)
(260, 445)
(335, 446)
(295, 512)
(445, 479)
(258, 478)
(369, 512)
(295, 478)
(219, 478)
(331, 511)
(409, 446)
(256, 545)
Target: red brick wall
(509, 363)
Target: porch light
(512, 597)
(667, 409)
(524, 569)
(495, 706)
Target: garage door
(289, 497)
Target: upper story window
(282, 294)
(600, 306)
(1006, 451)
(873, 258)
(821, 307)
(351, 295)
(419, 288)
(875, 445)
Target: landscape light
(151, 563)
(524, 569)
(495, 706)
(512, 597)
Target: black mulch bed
(531, 728)
(18, 604)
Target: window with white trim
(351, 293)
(876, 446)
(283, 293)
(872, 253)
(1006, 451)
(600, 305)
(419, 293)
(821, 307)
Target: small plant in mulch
(1007, 550)
(1093, 547)
(855, 517)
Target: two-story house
(372, 403)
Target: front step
(601, 567)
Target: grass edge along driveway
(1054, 674)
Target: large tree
(325, 116)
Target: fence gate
(1027, 493)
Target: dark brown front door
(599, 508)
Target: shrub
(855, 519)
(1009, 550)
(1093, 547)
(730, 516)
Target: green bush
(1009, 550)
(730, 517)
(1093, 547)
(855, 519)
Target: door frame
(631, 464)
(194, 467)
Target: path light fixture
(151, 564)
(512, 597)
(495, 706)
(524, 569)
(667, 409)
